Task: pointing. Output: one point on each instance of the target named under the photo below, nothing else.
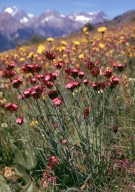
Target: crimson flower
(85, 81)
(10, 66)
(11, 107)
(49, 55)
(81, 74)
(108, 73)
(86, 111)
(8, 74)
(90, 65)
(120, 67)
(52, 162)
(58, 65)
(16, 83)
(95, 86)
(74, 73)
(95, 71)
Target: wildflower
(57, 101)
(102, 85)
(115, 80)
(41, 49)
(58, 65)
(85, 30)
(33, 81)
(8, 74)
(95, 86)
(85, 81)
(121, 67)
(50, 39)
(28, 68)
(52, 162)
(90, 65)
(19, 120)
(64, 141)
(102, 29)
(8, 173)
(49, 55)
(81, 74)
(34, 123)
(101, 45)
(4, 125)
(68, 70)
(108, 72)
(16, 83)
(37, 68)
(76, 43)
(64, 43)
(10, 66)
(74, 73)
(95, 71)
(72, 85)
(11, 107)
(86, 111)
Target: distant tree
(89, 26)
(36, 39)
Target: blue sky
(112, 7)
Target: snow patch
(30, 15)
(24, 20)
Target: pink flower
(81, 74)
(85, 81)
(72, 85)
(11, 107)
(57, 101)
(121, 67)
(108, 73)
(19, 120)
(58, 65)
(16, 83)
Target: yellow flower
(81, 56)
(22, 59)
(85, 29)
(40, 49)
(34, 123)
(50, 39)
(62, 48)
(77, 43)
(64, 43)
(102, 29)
(101, 45)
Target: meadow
(67, 113)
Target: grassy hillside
(67, 113)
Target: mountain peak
(11, 10)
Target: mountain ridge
(18, 26)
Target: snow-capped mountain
(18, 14)
(89, 17)
(17, 25)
